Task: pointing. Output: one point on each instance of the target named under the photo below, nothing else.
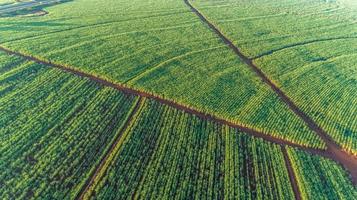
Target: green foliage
(159, 47)
(320, 178)
(54, 129)
(168, 154)
(259, 26)
(324, 84)
(8, 62)
(307, 47)
(254, 169)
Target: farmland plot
(158, 47)
(257, 27)
(169, 154)
(320, 177)
(65, 137)
(54, 129)
(311, 56)
(324, 84)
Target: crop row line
(186, 109)
(103, 162)
(168, 102)
(301, 44)
(291, 173)
(347, 160)
(105, 159)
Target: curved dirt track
(82, 27)
(300, 44)
(334, 151)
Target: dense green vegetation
(54, 129)
(324, 84)
(160, 47)
(260, 26)
(168, 154)
(320, 178)
(57, 128)
(311, 55)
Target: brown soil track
(342, 159)
(291, 173)
(89, 182)
(333, 150)
(168, 102)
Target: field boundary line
(293, 45)
(105, 159)
(292, 175)
(189, 110)
(336, 152)
(172, 59)
(82, 26)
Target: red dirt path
(333, 150)
(291, 173)
(168, 102)
(104, 159)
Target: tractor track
(291, 173)
(281, 142)
(202, 115)
(189, 110)
(100, 166)
(333, 149)
(270, 52)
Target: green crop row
(320, 178)
(168, 154)
(159, 47)
(324, 85)
(259, 26)
(254, 169)
(54, 128)
(308, 49)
